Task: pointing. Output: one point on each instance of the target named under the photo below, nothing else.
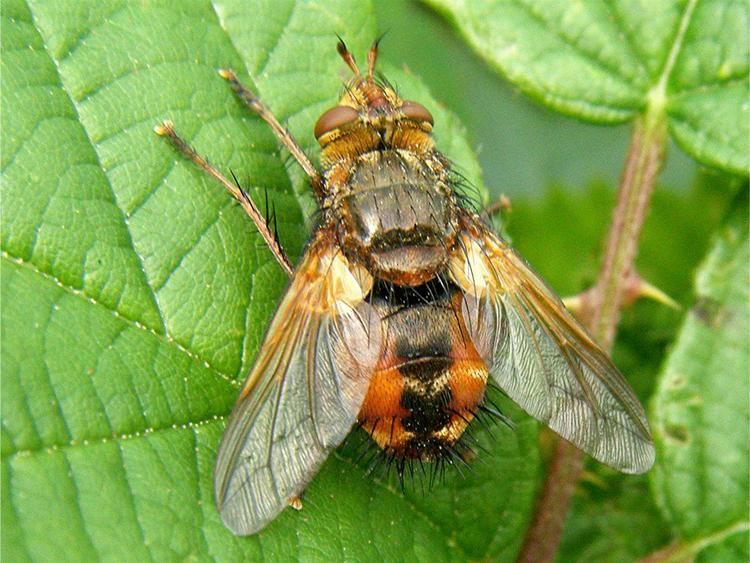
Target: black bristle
(266, 215)
(275, 224)
(244, 194)
(443, 457)
(400, 464)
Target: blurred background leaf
(700, 416)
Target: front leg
(282, 134)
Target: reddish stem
(644, 160)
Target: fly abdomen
(429, 380)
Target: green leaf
(136, 293)
(701, 419)
(608, 61)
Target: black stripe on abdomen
(426, 394)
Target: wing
(540, 355)
(303, 394)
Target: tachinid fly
(402, 309)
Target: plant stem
(644, 161)
(543, 536)
(642, 166)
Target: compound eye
(335, 118)
(417, 112)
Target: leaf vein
(131, 496)
(705, 86)
(81, 39)
(8, 496)
(592, 58)
(193, 245)
(50, 385)
(199, 490)
(77, 504)
(222, 25)
(611, 7)
(119, 439)
(76, 107)
(415, 509)
(679, 37)
(164, 338)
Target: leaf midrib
(657, 94)
(163, 341)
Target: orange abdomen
(428, 383)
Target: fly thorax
(398, 216)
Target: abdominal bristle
(424, 474)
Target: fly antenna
(347, 56)
(372, 57)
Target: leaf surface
(701, 419)
(608, 61)
(136, 293)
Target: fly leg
(166, 129)
(282, 134)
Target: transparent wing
(544, 360)
(303, 394)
